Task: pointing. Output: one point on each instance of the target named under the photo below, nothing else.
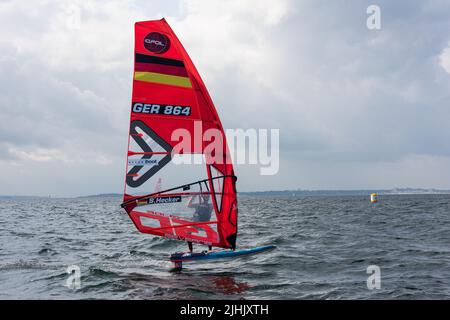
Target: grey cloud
(41, 109)
(352, 104)
(371, 95)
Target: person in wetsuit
(203, 210)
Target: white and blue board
(180, 257)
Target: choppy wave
(325, 245)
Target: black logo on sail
(134, 177)
(156, 42)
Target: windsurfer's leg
(190, 246)
(209, 248)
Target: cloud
(444, 59)
(62, 93)
(348, 101)
(342, 95)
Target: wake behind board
(180, 257)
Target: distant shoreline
(295, 193)
(280, 193)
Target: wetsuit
(202, 213)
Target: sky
(356, 108)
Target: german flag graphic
(161, 70)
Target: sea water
(327, 247)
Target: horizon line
(426, 190)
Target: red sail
(186, 193)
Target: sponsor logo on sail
(142, 162)
(156, 42)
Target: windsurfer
(203, 210)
